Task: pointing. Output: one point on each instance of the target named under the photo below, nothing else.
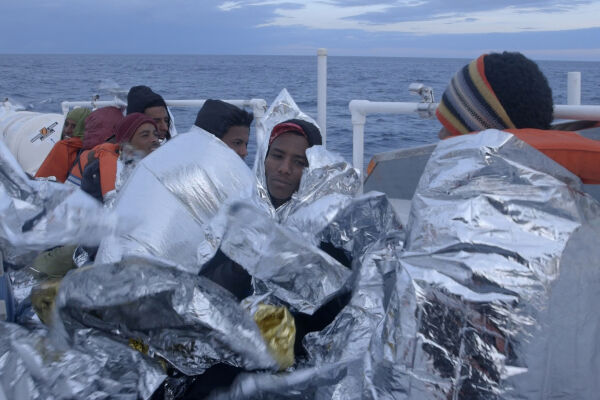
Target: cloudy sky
(542, 29)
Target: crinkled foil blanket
(490, 291)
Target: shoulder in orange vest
(107, 155)
(576, 153)
(60, 159)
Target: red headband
(284, 127)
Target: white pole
(584, 112)
(259, 107)
(359, 119)
(574, 88)
(322, 93)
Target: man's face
(237, 139)
(68, 128)
(145, 139)
(160, 115)
(284, 164)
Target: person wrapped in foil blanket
(487, 293)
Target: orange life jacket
(60, 159)
(76, 172)
(107, 155)
(576, 153)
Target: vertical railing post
(322, 93)
(358, 138)
(258, 109)
(65, 107)
(574, 88)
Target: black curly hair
(521, 88)
(217, 116)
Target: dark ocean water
(41, 82)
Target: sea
(41, 82)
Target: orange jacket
(107, 155)
(60, 159)
(576, 153)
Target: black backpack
(90, 179)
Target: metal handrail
(259, 106)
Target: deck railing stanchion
(322, 93)
(359, 119)
(574, 88)
(259, 106)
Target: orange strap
(83, 160)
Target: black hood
(141, 97)
(217, 116)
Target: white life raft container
(29, 135)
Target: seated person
(284, 164)
(509, 92)
(229, 123)
(141, 99)
(66, 153)
(136, 130)
(286, 158)
(74, 123)
(101, 125)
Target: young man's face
(68, 128)
(237, 139)
(160, 115)
(145, 139)
(284, 164)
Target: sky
(541, 29)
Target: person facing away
(141, 99)
(137, 132)
(507, 91)
(286, 157)
(229, 123)
(74, 125)
(66, 153)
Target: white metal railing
(359, 110)
(259, 106)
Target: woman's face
(145, 139)
(68, 128)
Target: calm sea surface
(41, 82)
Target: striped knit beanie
(469, 103)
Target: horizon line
(274, 55)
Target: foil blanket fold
(185, 319)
